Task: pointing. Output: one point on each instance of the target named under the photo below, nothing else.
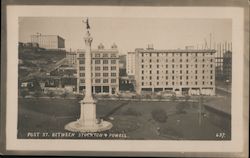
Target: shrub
(159, 115)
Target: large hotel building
(105, 70)
(186, 71)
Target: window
(203, 65)
(172, 60)
(211, 65)
(150, 66)
(105, 68)
(211, 60)
(105, 61)
(113, 68)
(142, 83)
(157, 71)
(97, 61)
(142, 60)
(196, 66)
(187, 77)
(166, 71)
(203, 60)
(166, 60)
(203, 82)
(173, 66)
(81, 61)
(180, 83)
(157, 54)
(97, 81)
(157, 60)
(172, 83)
(195, 77)
(203, 54)
(82, 80)
(181, 66)
(105, 74)
(166, 77)
(150, 60)
(150, 83)
(97, 68)
(157, 66)
(105, 80)
(187, 54)
(150, 77)
(166, 66)
(105, 55)
(211, 77)
(157, 77)
(180, 71)
(180, 60)
(172, 54)
(113, 55)
(203, 71)
(172, 71)
(113, 80)
(150, 54)
(97, 55)
(82, 74)
(150, 72)
(211, 83)
(172, 77)
(195, 82)
(81, 55)
(142, 66)
(187, 72)
(142, 71)
(203, 77)
(181, 77)
(166, 83)
(113, 61)
(97, 74)
(196, 71)
(82, 68)
(186, 83)
(196, 54)
(186, 60)
(186, 66)
(211, 71)
(157, 83)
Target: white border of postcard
(234, 13)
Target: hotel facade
(105, 70)
(184, 72)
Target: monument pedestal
(87, 121)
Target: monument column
(87, 121)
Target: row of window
(173, 60)
(173, 71)
(98, 55)
(99, 74)
(181, 83)
(99, 81)
(173, 77)
(81, 61)
(173, 66)
(97, 68)
(176, 54)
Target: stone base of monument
(78, 126)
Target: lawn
(172, 120)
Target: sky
(129, 33)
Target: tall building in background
(227, 66)
(48, 41)
(186, 71)
(105, 70)
(130, 66)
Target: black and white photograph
(124, 78)
(88, 79)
